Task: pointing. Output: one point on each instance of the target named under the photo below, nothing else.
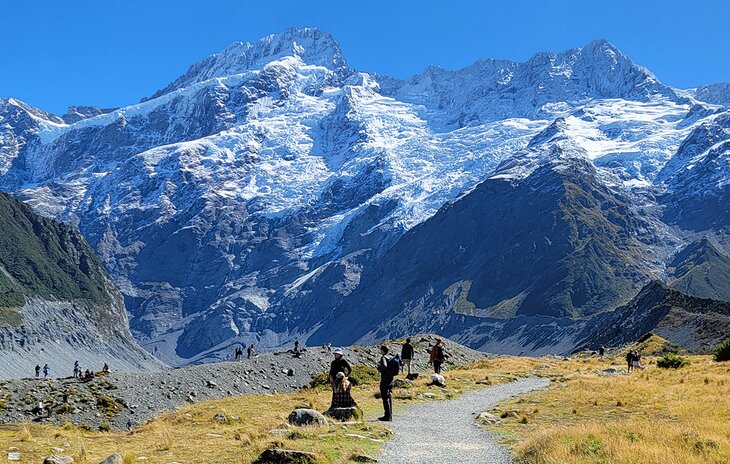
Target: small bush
(722, 350)
(105, 428)
(671, 361)
(108, 405)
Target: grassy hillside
(41, 257)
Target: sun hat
(338, 351)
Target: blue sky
(111, 53)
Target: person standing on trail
(238, 353)
(37, 371)
(630, 361)
(77, 370)
(250, 351)
(406, 354)
(46, 371)
(339, 364)
(601, 352)
(388, 368)
(437, 356)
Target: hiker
(46, 371)
(238, 353)
(341, 396)
(388, 368)
(637, 360)
(339, 364)
(37, 371)
(329, 347)
(296, 346)
(630, 361)
(77, 370)
(105, 369)
(601, 352)
(437, 356)
(250, 351)
(406, 354)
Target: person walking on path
(437, 356)
(46, 371)
(339, 364)
(406, 354)
(250, 351)
(388, 369)
(77, 370)
(602, 352)
(37, 371)
(238, 353)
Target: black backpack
(394, 365)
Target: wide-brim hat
(338, 351)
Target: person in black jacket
(386, 384)
(437, 356)
(406, 354)
(339, 364)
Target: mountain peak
(313, 46)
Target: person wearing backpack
(406, 354)
(388, 368)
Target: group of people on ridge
(250, 351)
(78, 373)
(388, 366)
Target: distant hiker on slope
(77, 370)
(437, 356)
(601, 352)
(250, 351)
(339, 364)
(629, 361)
(406, 354)
(238, 353)
(388, 368)
(46, 371)
(37, 371)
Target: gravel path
(445, 431)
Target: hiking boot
(385, 419)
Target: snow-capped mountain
(258, 196)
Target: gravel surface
(140, 396)
(446, 431)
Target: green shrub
(361, 375)
(722, 350)
(108, 405)
(672, 361)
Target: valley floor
(587, 415)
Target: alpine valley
(274, 193)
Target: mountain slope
(57, 304)
(701, 270)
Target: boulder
(307, 417)
(220, 418)
(487, 418)
(438, 380)
(58, 460)
(344, 414)
(284, 456)
(113, 459)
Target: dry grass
(657, 416)
(654, 416)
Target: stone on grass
(220, 418)
(58, 460)
(402, 383)
(307, 417)
(285, 456)
(113, 459)
(438, 380)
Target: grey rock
(58, 460)
(307, 417)
(113, 459)
(284, 456)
